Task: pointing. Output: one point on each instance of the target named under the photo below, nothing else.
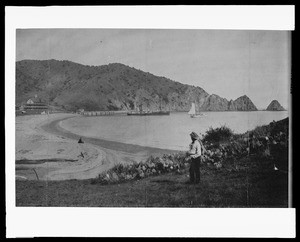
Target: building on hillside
(30, 101)
(35, 105)
(34, 100)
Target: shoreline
(54, 128)
(43, 147)
(44, 156)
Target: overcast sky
(227, 63)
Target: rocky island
(275, 106)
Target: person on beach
(80, 141)
(194, 155)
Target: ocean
(166, 132)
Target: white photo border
(136, 222)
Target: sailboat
(193, 113)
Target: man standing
(194, 154)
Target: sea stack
(275, 106)
(244, 103)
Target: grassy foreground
(255, 186)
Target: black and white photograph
(152, 118)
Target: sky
(229, 63)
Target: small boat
(193, 113)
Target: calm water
(168, 132)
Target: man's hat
(194, 135)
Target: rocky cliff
(112, 87)
(243, 103)
(275, 106)
(216, 103)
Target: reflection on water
(168, 132)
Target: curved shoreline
(54, 128)
(54, 157)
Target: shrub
(222, 133)
(152, 167)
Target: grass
(256, 186)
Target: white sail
(192, 110)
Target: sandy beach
(45, 151)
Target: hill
(112, 87)
(275, 106)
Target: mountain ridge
(114, 86)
